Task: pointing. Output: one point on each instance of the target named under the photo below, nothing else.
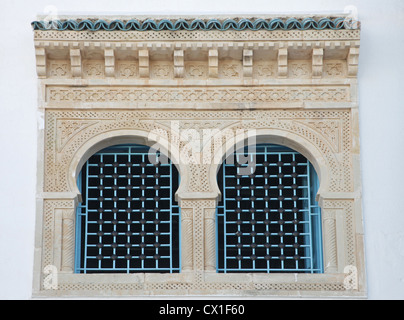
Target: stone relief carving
(68, 128)
(162, 69)
(59, 69)
(196, 70)
(300, 69)
(210, 91)
(93, 69)
(230, 69)
(326, 132)
(200, 94)
(128, 70)
(263, 70)
(334, 69)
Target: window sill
(203, 284)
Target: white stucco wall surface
(381, 123)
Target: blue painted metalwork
(197, 24)
(268, 221)
(128, 221)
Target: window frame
(313, 221)
(82, 212)
(310, 105)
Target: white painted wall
(381, 112)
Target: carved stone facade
(297, 88)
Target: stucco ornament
(193, 86)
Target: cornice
(198, 50)
(203, 24)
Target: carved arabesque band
(328, 131)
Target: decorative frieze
(58, 95)
(224, 61)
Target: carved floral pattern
(93, 69)
(127, 70)
(200, 94)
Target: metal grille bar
(268, 220)
(128, 221)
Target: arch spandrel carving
(191, 93)
(284, 129)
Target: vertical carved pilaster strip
(330, 241)
(283, 63)
(68, 240)
(210, 239)
(213, 63)
(187, 239)
(193, 242)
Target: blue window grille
(128, 221)
(268, 220)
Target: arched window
(268, 219)
(128, 220)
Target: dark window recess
(268, 219)
(128, 221)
